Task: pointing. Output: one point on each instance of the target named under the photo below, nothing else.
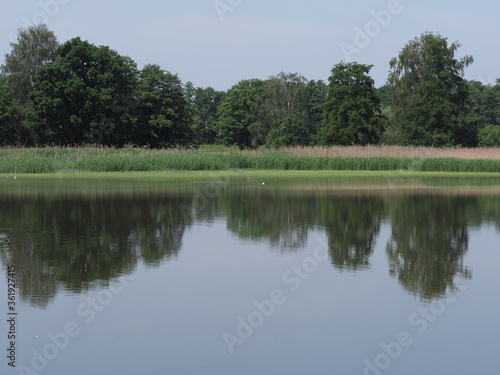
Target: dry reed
(394, 152)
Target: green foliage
(78, 93)
(352, 113)
(429, 95)
(35, 47)
(494, 103)
(489, 136)
(8, 116)
(204, 104)
(236, 113)
(385, 95)
(290, 131)
(393, 134)
(85, 96)
(483, 108)
(283, 96)
(288, 111)
(163, 117)
(479, 111)
(318, 92)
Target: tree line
(77, 93)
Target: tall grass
(395, 152)
(68, 160)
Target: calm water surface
(252, 276)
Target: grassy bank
(483, 178)
(75, 160)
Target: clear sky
(218, 43)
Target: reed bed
(78, 160)
(394, 152)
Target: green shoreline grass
(248, 173)
(88, 160)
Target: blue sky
(242, 39)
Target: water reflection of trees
(36, 283)
(489, 207)
(429, 240)
(283, 218)
(75, 241)
(352, 224)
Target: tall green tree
(85, 96)
(204, 103)
(283, 96)
(352, 114)
(237, 112)
(429, 93)
(35, 47)
(163, 116)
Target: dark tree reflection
(73, 237)
(352, 224)
(282, 217)
(429, 240)
(81, 241)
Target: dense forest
(77, 93)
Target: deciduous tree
(237, 112)
(85, 96)
(284, 96)
(352, 113)
(35, 47)
(429, 93)
(163, 116)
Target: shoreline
(264, 173)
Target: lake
(250, 275)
